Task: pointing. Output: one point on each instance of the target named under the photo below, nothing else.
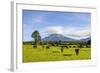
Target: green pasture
(39, 54)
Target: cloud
(73, 32)
(54, 29)
(79, 34)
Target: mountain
(57, 37)
(86, 39)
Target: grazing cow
(74, 46)
(47, 47)
(34, 46)
(69, 46)
(62, 48)
(43, 46)
(66, 46)
(77, 51)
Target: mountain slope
(57, 37)
(86, 39)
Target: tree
(37, 38)
(89, 42)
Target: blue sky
(70, 24)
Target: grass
(39, 54)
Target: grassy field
(39, 54)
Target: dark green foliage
(28, 43)
(89, 42)
(37, 38)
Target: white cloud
(79, 34)
(54, 29)
(73, 32)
